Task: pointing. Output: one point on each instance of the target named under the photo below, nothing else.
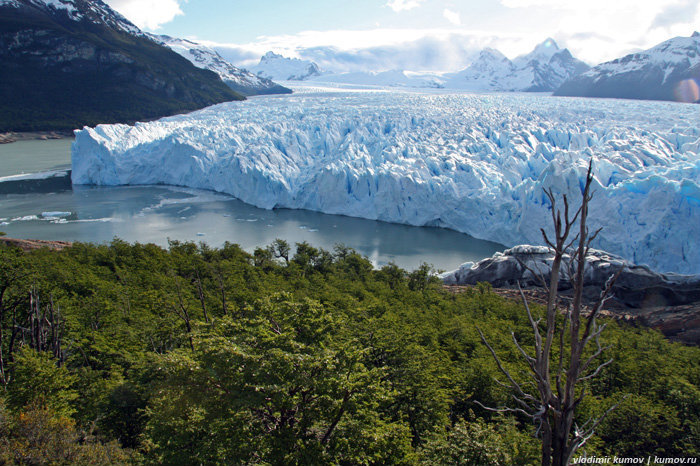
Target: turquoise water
(34, 156)
(155, 214)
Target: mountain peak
(542, 70)
(658, 73)
(207, 58)
(271, 55)
(547, 48)
(82, 63)
(280, 68)
(95, 11)
(695, 34)
(488, 52)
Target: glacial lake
(34, 156)
(155, 214)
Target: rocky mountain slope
(668, 71)
(69, 63)
(239, 80)
(276, 67)
(542, 70)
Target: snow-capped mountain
(69, 63)
(542, 70)
(204, 57)
(279, 68)
(392, 78)
(668, 71)
(95, 11)
(489, 72)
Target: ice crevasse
(473, 163)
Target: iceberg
(473, 163)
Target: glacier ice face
(473, 163)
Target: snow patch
(56, 214)
(207, 58)
(279, 68)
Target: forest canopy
(137, 354)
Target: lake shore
(8, 138)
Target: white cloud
(449, 49)
(601, 30)
(594, 31)
(147, 14)
(452, 16)
(677, 13)
(403, 5)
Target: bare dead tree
(200, 295)
(44, 327)
(12, 274)
(222, 290)
(560, 389)
(182, 311)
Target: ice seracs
(473, 163)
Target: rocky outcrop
(33, 244)
(667, 302)
(637, 286)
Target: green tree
(38, 381)
(480, 443)
(281, 385)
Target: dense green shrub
(194, 355)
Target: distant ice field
(476, 163)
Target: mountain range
(668, 71)
(238, 79)
(543, 70)
(69, 63)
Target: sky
(419, 35)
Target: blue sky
(451, 30)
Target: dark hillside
(64, 70)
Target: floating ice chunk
(56, 214)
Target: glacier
(473, 163)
